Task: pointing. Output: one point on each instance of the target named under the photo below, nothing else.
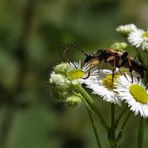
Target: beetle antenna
(84, 52)
(67, 46)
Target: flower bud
(60, 81)
(119, 45)
(126, 29)
(73, 100)
(65, 94)
(61, 68)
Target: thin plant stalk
(140, 133)
(123, 126)
(94, 127)
(120, 116)
(111, 134)
(91, 104)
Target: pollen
(145, 35)
(76, 74)
(108, 81)
(139, 93)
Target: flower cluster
(65, 76)
(116, 75)
(133, 93)
(136, 37)
(120, 86)
(101, 83)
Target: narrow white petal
(123, 90)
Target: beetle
(115, 58)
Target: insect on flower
(116, 59)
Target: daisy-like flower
(134, 94)
(126, 29)
(139, 38)
(79, 72)
(103, 86)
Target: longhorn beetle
(116, 59)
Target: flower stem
(91, 104)
(112, 115)
(123, 126)
(140, 133)
(111, 134)
(94, 127)
(120, 116)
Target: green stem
(111, 134)
(123, 126)
(91, 104)
(140, 133)
(112, 115)
(120, 116)
(94, 127)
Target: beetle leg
(88, 71)
(130, 67)
(126, 55)
(113, 74)
(87, 75)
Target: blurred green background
(31, 32)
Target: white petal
(123, 89)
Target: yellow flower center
(76, 74)
(139, 93)
(145, 35)
(108, 80)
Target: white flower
(102, 85)
(145, 45)
(139, 38)
(126, 29)
(79, 72)
(134, 94)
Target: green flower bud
(73, 100)
(61, 68)
(60, 81)
(119, 45)
(65, 94)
